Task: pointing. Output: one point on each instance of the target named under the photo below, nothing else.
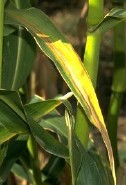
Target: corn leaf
(87, 169)
(114, 17)
(15, 148)
(57, 48)
(48, 119)
(19, 52)
(91, 170)
(41, 107)
(53, 121)
(14, 120)
(11, 114)
(46, 140)
(44, 111)
(8, 30)
(3, 152)
(5, 134)
(54, 168)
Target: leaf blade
(12, 115)
(46, 141)
(114, 17)
(40, 107)
(56, 47)
(87, 168)
(15, 147)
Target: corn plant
(23, 122)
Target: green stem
(95, 12)
(91, 61)
(118, 84)
(1, 36)
(81, 126)
(91, 56)
(32, 147)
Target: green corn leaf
(12, 99)
(21, 3)
(8, 30)
(5, 134)
(3, 152)
(12, 116)
(15, 148)
(46, 141)
(114, 17)
(39, 107)
(87, 169)
(19, 52)
(68, 63)
(91, 170)
(54, 168)
(56, 123)
(43, 111)
(14, 119)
